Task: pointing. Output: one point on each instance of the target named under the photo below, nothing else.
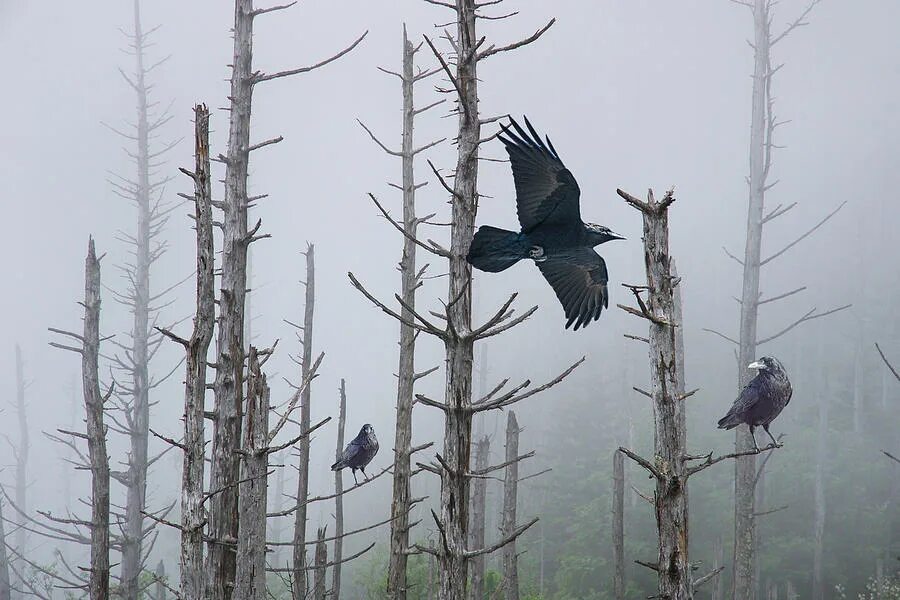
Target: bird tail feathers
(494, 249)
(338, 466)
(729, 421)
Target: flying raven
(762, 400)
(553, 234)
(359, 452)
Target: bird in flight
(762, 400)
(553, 234)
(358, 452)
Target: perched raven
(762, 400)
(553, 234)
(359, 452)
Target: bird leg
(364, 473)
(355, 480)
(774, 441)
(752, 435)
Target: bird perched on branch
(358, 452)
(762, 400)
(553, 234)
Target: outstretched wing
(546, 191)
(579, 279)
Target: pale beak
(755, 365)
(616, 236)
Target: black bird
(359, 452)
(553, 234)
(762, 400)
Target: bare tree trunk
(510, 501)
(818, 587)
(619, 525)
(193, 517)
(858, 386)
(250, 575)
(160, 582)
(339, 499)
(672, 566)
(431, 571)
(21, 464)
(98, 585)
(276, 505)
(790, 593)
(477, 526)
(321, 561)
(300, 580)
(229, 381)
(5, 590)
(409, 281)
(718, 587)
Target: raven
(553, 234)
(762, 400)
(359, 452)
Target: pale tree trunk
(858, 385)
(135, 479)
(5, 591)
(300, 579)
(229, 380)
(160, 582)
(193, 517)
(276, 505)
(669, 469)
(321, 562)
(477, 526)
(818, 586)
(409, 281)
(790, 593)
(21, 464)
(618, 533)
(250, 575)
(718, 586)
(98, 583)
(510, 502)
(339, 499)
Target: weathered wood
(193, 517)
(339, 498)
(160, 585)
(510, 503)
(819, 513)
(301, 585)
(397, 585)
(618, 511)
(98, 582)
(477, 524)
(229, 380)
(321, 562)
(250, 574)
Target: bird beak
(755, 365)
(616, 236)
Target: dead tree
(457, 332)
(21, 456)
(160, 577)
(510, 501)
(479, 508)
(762, 130)
(339, 498)
(618, 512)
(133, 395)
(410, 281)
(671, 466)
(250, 577)
(193, 517)
(229, 380)
(818, 575)
(306, 340)
(98, 460)
(321, 561)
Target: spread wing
(546, 191)
(579, 279)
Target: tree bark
(300, 579)
(229, 381)
(193, 516)
(5, 590)
(477, 526)
(321, 562)
(409, 281)
(98, 583)
(718, 587)
(818, 586)
(160, 582)
(250, 575)
(21, 463)
(619, 525)
(339, 499)
(510, 501)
